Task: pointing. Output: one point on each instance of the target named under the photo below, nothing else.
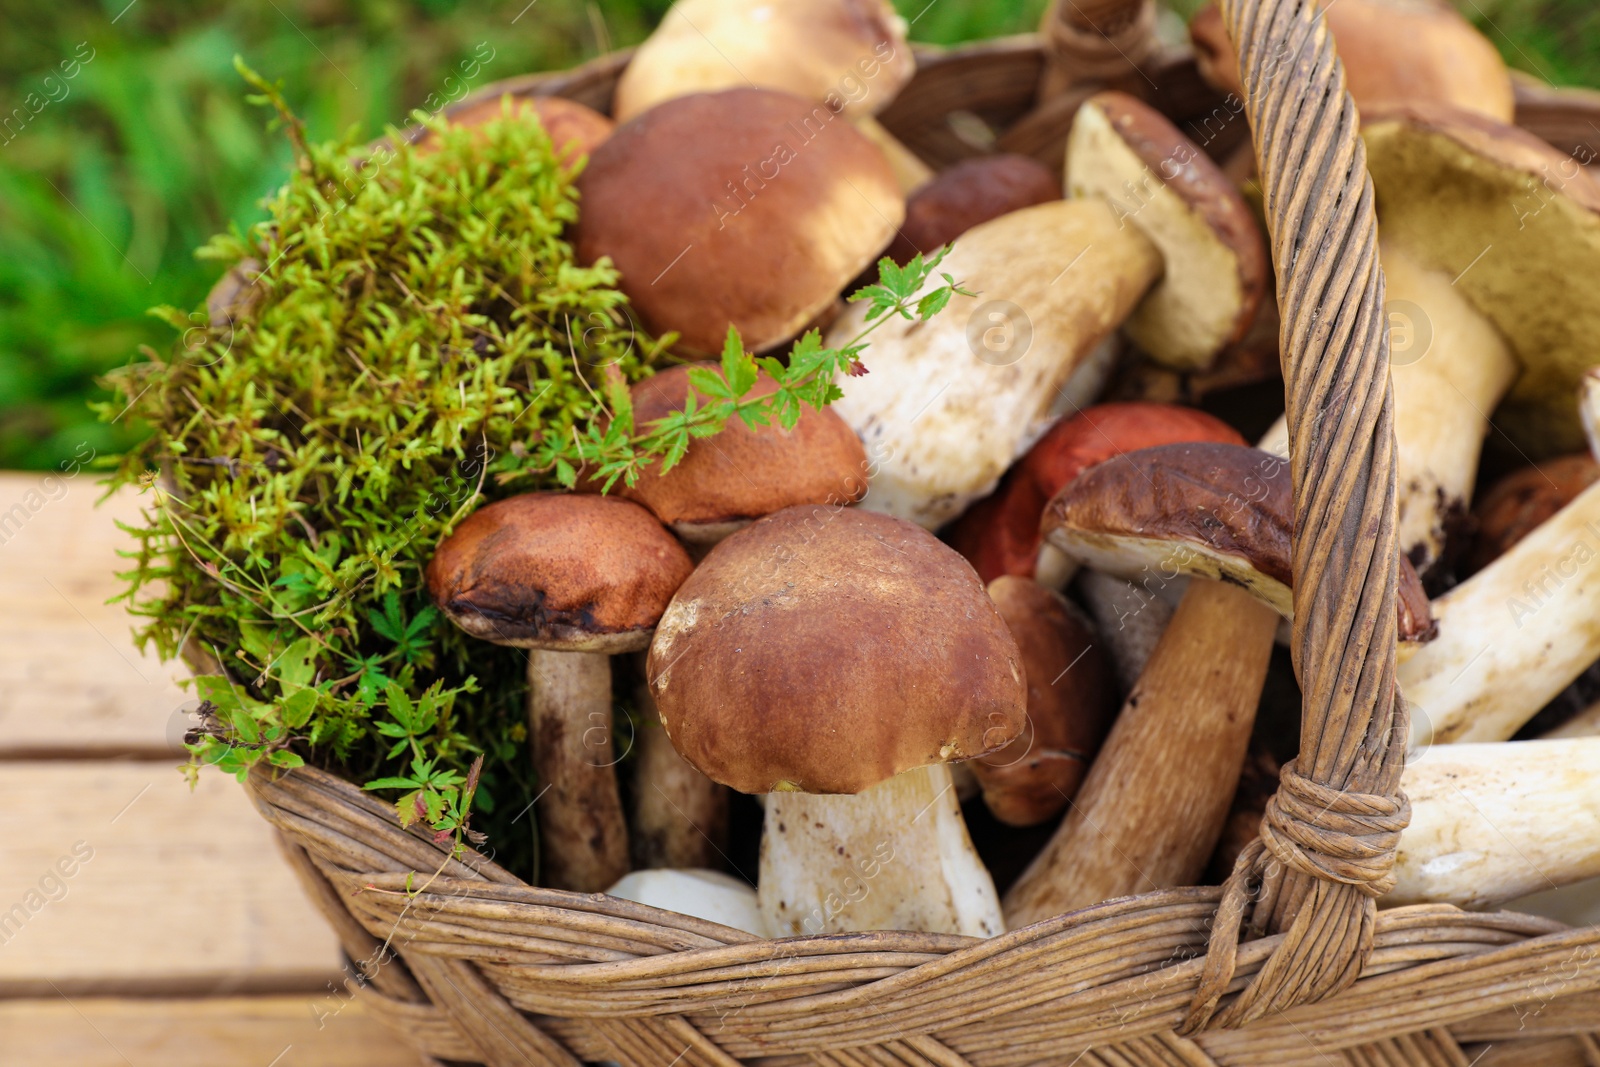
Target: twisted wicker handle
(1329, 837)
(1095, 41)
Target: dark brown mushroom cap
(828, 649)
(1216, 256)
(968, 194)
(743, 473)
(1524, 500)
(562, 571)
(1206, 510)
(746, 207)
(1072, 699)
(574, 130)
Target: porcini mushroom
(1156, 799)
(850, 56)
(573, 579)
(1394, 52)
(574, 130)
(709, 895)
(1524, 500)
(1071, 699)
(968, 194)
(1054, 281)
(735, 208)
(836, 660)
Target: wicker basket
(1289, 963)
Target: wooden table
(141, 923)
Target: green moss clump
(417, 321)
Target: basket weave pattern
(1289, 963)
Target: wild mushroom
(574, 130)
(1071, 700)
(680, 817)
(1524, 500)
(709, 895)
(735, 208)
(573, 579)
(1154, 804)
(1000, 534)
(968, 194)
(1394, 52)
(1490, 822)
(1054, 281)
(1130, 617)
(850, 56)
(836, 660)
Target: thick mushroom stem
(1513, 635)
(680, 817)
(1496, 821)
(1155, 801)
(583, 838)
(1450, 366)
(895, 857)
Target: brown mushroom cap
(849, 54)
(968, 194)
(1521, 501)
(574, 130)
(744, 472)
(828, 649)
(1394, 52)
(745, 207)
(1515, 225)
(1206, 510)
(1160, 181)
(1072, 699)
(561, 571)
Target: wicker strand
(1329, 840)
(1096, 41)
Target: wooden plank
(116, 878)
(282, 1031)
(71, 682)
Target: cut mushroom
(1156, 799)
(1054, 281)
(1071, 699)
(709, 895)
(1513, 635)
(1394, 52)
(837, 660)
(735, 208)
(968, 194)
(1000, 534)
(573, 579)
(1491, 822)
(850, 56)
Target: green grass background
(150, 148)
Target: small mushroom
(850, 56)
(1524, 500)
(735, 208)
(1071, 699)
(709, 895)
(574, 130)
(950, 404)
(1000, 534)
(968, 194)
(573, 579)
(837, 660)
(1394, 52)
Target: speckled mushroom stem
(1155, 801)
(680, 817)
(583, 838)
(895, 857)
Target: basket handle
(1329, 837)
(1092, 41)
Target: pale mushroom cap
(1394, 52)
(849, 54)
(1160, 181)
(745, 207)
(744, 472)
(1516, 223)
(559, 571)
(826, 650)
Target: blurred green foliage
(110, 177)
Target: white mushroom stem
(709, 895)
(680, 817)
(1513, 635)
(949, 404)
(1589, 409)
(583, 838)
(1449, 368)
(1492, 822)
(896, 857)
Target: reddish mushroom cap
(574, 130)
(563, 571)
(1521, 501)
